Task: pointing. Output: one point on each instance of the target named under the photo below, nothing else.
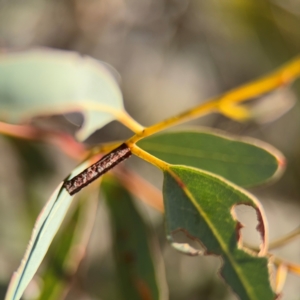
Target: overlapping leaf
(202, 205)
(136, 267)
(43, 82)
(43, 232)
(246, 162)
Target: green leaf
(136, 270)
(44, 82)
(67, 250)
(202, 205)
(56, 274)
(45, 228)
(246, 162)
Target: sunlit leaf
(43, 82)
(134, 254)
(43, 232)
(202, 205)
(246, 162)
(55, 274)
(67, 250)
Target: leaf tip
(281, 161)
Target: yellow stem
(148, 157)
(120, 114)
(193, 113)
(104, 148)
(276, 79)
(285, 239)
(292, 267)
(129, 122)
(283, 76)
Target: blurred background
(171, 55)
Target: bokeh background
(171, 55)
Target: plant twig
(285, 239)
(148, 157)
(103, 165)
(281, 77)
(280, 241)
(129, 122)
(291, 267)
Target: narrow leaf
(67, 250)
(134, 256)
(55, 275)
(44, 82)
(202, 205)
(246, 162)
(43, 232)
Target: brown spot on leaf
(128, 257)
(260, 226)
(238, 228)
(143, 290)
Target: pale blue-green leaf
(46, 226)
(44, 82)
(68, 249)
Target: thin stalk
(280, 241)
(129, 122)
(148, 157)
(285, 75)
(285, 239)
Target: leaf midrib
(237, 269)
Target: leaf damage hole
(250, 228)
(186, 243)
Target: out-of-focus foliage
(62, 83)
(134, 254)
(171, 54)
(45, 228)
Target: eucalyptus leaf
(56, 275)
(202, 205)
(137, 270)
(45, 228)
(68, 249)
(246, 162)
(45, 82)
